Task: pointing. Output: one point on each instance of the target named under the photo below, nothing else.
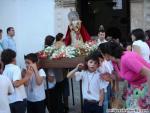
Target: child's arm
(18, 83)
(23, 74)
(38, 76)
(101, 98)
(107, 77)
(72, 73)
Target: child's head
(31, 59)
(104, 51)
(98, 53)
(8, 56)
(111, 50)
(59, 37)
(92, 62)
(49, 40)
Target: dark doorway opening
(116, 20)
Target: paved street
(77, 107)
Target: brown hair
(92, 56)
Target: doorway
(114, 15)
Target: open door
(114, 15)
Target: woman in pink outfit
(133, 68)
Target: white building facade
(35, 19)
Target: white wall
(32, 20)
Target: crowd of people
(33, 88)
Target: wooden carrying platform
(61, 63)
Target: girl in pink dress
(133, 68)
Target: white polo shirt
(106, 67)
(36, 92)
(13, 72)
(96, 84)
(5, 88)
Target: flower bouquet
(85, 48)
(66, 56)
(63, 52)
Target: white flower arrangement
(86, 48)
(82, 49)
(63, 52)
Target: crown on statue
(73, 15)
(101, 28)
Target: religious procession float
(66, 56)
(77, 45)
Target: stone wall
(62, 8)
(147, 14)
(140, 14)
(137, 14)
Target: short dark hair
(102, 48)
(8, 56)
(31, 56)
(97, 53)
(139, 34)
(8, 29)
(49, 40)
(59, 36)
(1, 30)
(112, 48)
(92, 56)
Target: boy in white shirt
(35, 86)
(92, 86)
(18, 99)
(106, 70)
(6, 88)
